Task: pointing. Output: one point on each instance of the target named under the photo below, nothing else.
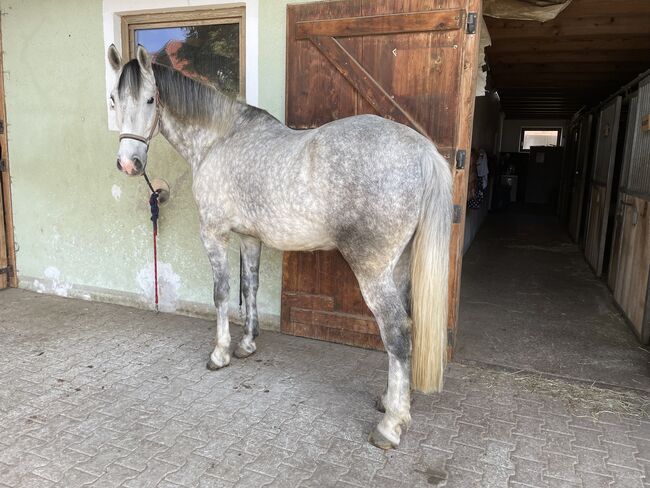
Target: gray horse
(376, 190)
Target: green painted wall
(81, 226)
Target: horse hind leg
(250, 253)
(383, 299)
(402, 279)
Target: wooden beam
(533, 115)
(559, 78)
(641, 56)
(502, 67)
(463, 140)
(8, 253)
(436, 20)
(596, 8)
(572, 28)
(576, 45)
(534, 105)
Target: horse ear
(114, 58)
(144, 60)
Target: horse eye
(150, 101)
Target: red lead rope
(153, 203)
(155, 266)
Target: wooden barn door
(630, 268)
(413, 61)
(7, 275)
(601, 184)
(579, 185)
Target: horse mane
(187, 99)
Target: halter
(156, 121)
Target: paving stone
(588, 438)
(528, 447)
(289, 477)
(556, 423)
(230, 466)
(593, 480)
(75, 478)
(460, 478)
(528, 472)
(154, 473)
(325, 475)
(191, 471)
(106, 456)
(114, 475)
(561, 466)
(180, 450)
(148, 413)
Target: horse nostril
(119, 166)
(137, 163)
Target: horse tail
(430, 275)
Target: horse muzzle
(131, 166)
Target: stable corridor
(529, 301)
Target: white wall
(512, 130)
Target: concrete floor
(529, 301)
(105, 396)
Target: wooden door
(619, 217)
(576, 214)
(568, 168)
(631, 268)
(413, 61)
(601, 184)
(7, 256)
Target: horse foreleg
(250, 254)
(217, 248)
(383, 299)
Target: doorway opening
(547, 283)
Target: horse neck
(192, 139)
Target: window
(539, 137)
(206, 44)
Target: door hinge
(458, 212)
(3, 165)
(471, 23)
(460, 158)
(9, 271)
(450, 338)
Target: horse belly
(298, 236)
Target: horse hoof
(242, 353)
(379, 404)
(212, 366)
(379, 440)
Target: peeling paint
(169, 284)
(52, 283)
(116, 191)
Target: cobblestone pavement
(101, 395)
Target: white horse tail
(430, 275)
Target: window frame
(157, 19)
(523, 130)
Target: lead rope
(155, 211)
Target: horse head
(136, 104)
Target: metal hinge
(3, 165)
(460, 158)
(471, 23)
(458, 213)
(9, 271)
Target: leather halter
(156, 121)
